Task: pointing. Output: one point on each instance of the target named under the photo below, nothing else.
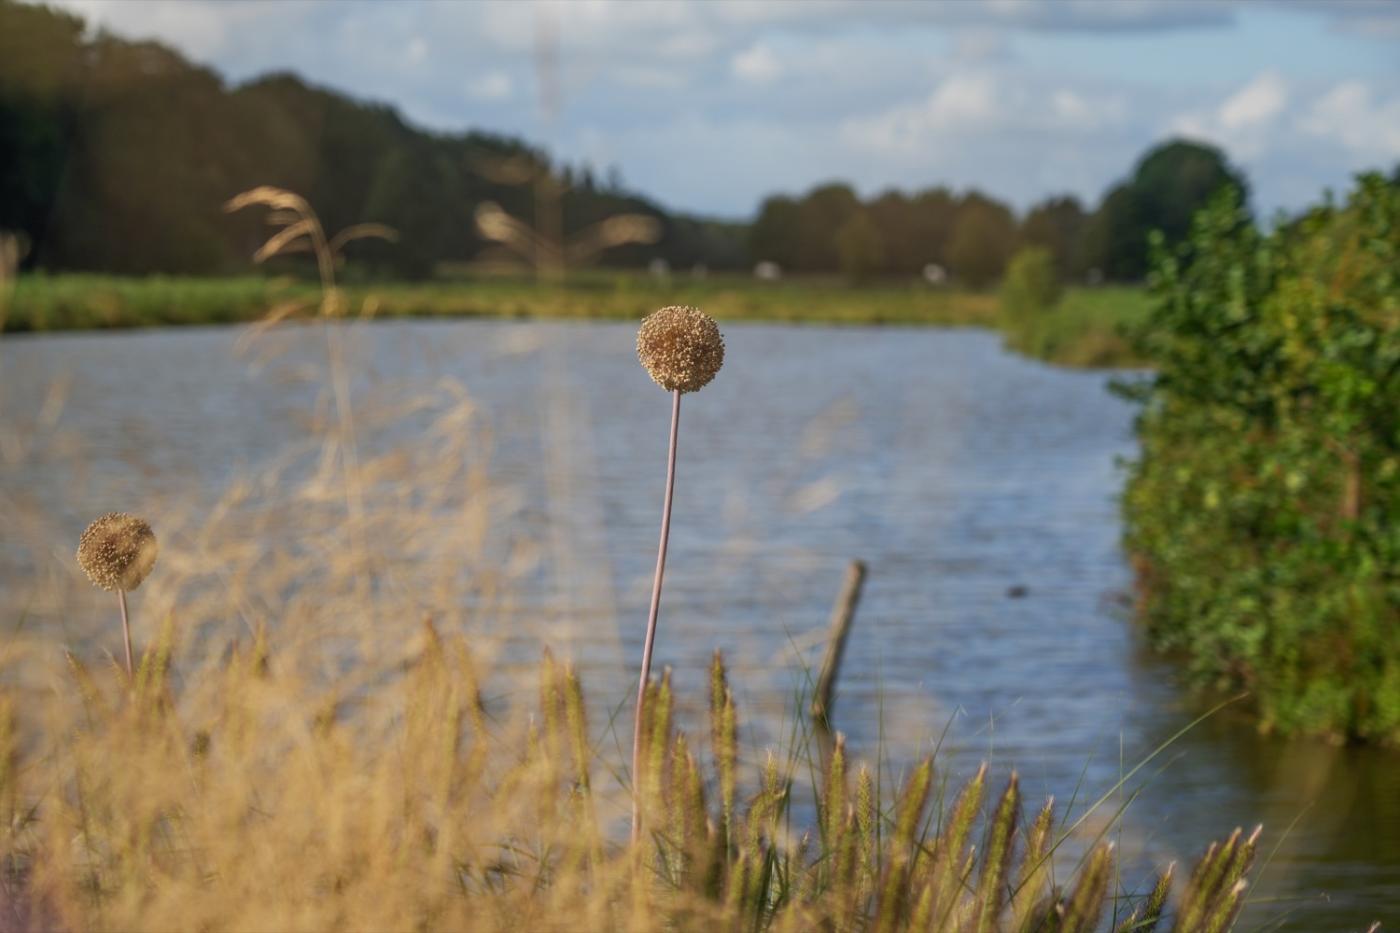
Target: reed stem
(651, 617)
(126, 633)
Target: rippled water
(955, 470)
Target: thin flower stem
(651, 618)
(126, 633)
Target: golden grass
(253, 799)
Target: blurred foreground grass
(253, 799)
(1085, 329)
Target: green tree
(859, 247)
(892, 216)
(1057, 224)
(823, 212)
(1169, 184)
(774, 235)
(983, 240)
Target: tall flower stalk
(117, 551)
(682, 349)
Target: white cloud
(494, 85)
(1247, 122)
(1074, 110)
(1258, 102)
(1351, 123)
(1356, 117)
(757, 64)
(962, 100)
(958, 103)
(968, 105)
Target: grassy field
(1085, 329)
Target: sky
(710, 106)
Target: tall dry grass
(253, 798)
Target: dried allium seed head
(680, 347)
(117, 551)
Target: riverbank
(1085, 329)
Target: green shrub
(1031, 288)
(1264, 511)
(1032, 284)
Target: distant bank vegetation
(1087, 327)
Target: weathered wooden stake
(842, 615)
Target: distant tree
(892, 217)
(40, 71)
(1175, 180)
(823, 212)
(775, 233)
(1108, 245)
(407, 187)
(983, 240)
(1057, 224)
(1169, 184)
(935, 216)
(859, 247)
(914, 230)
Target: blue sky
(708, 106)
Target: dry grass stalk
(301, 230)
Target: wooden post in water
(842, 615)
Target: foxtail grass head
(117, 551)
(681, 348)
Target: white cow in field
(767, 271)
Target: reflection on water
(978, 486)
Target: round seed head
(680, 347)
(117, 551)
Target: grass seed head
(117, 551)
(681, 348)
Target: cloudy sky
(708, 106)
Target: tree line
(972, 236)
(116, 156)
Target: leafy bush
(1032, 284)
(1264, 511)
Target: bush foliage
(1264, 511)
(1031, 286)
